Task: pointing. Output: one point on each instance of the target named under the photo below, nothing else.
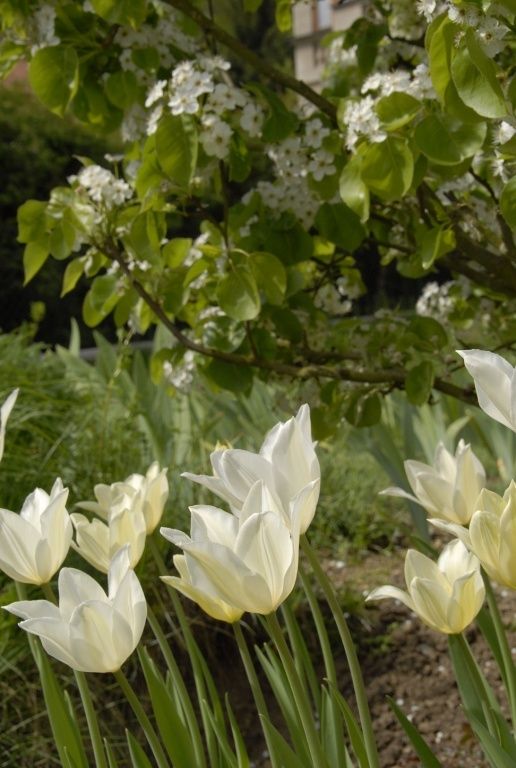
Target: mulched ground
(402, 658)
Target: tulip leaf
(221, 735)
(282, 750)
(496, 755)
(282, 693)
(423, 751)
(355, 734)
(174, 733)
(241, 750)
(112, 762)
(65, 729)
(138, 757)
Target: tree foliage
(244, 207)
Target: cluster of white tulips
(246, 559)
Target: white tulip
(492, 534)
(449, 489)
(34, 543)
(98, 542)
(446, 595)
(495, 383)
(236, 564)
(5, 412)
(153, 488)
(89, 630)
(287, 464)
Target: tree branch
(258, 63)
(395, 377)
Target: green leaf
(419, 381)
(34, 256)
(132, 12)
(496, 755)
(339, 224)
(176, 148)
(355, 734)
(122, 88)
(173, 732)
(270, 275)
(175, 251)
(235, 378)
(353, 191)
(32, 221)
(439, 42)
(250, 6)
(434, 243)
(508, 202)
(475, 77)
(364, 410)
(238, 295)
(54, 76)
(100, 300)
(397, 109)
(284, 15)
(65, 728)
(388, 168)
(280, 122)
(427, 333)
(447, 141)
(138, 757)
(283, 752)
(241, 750)
(287, 324)
(423, 751)
(239, 163)
(112, 762)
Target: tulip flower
(97, 541)
(89, 630)
(449, 489)
(446, 595)
(153, 488)
(495, 383)
(5, 412)
(287, 464)
(34, 543)
(236, 564)
(491, 534)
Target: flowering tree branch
(308, 368)
(260, 64)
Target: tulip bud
(89, 630)
(492, 534)
(449, 489)
(34, 543)
(446, 595)
(236, 564)
(287, 464)
(495, 383)
(98, 542)
(5, 412)
(152, 487)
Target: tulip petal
(484, 531)
(418, 565)
(55, 638)
(394, 593)
(214, 524)
(77, 587)
(431, 602)
(18, 542)
(33, 609)
(5, 412)
(492, 376)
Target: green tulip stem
(298, 691)
(87, 703)
(350, 651)
(180, 686)
(503, 645)
(144, 721)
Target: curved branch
(394, 377)
(257, 62)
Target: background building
(312, 20)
